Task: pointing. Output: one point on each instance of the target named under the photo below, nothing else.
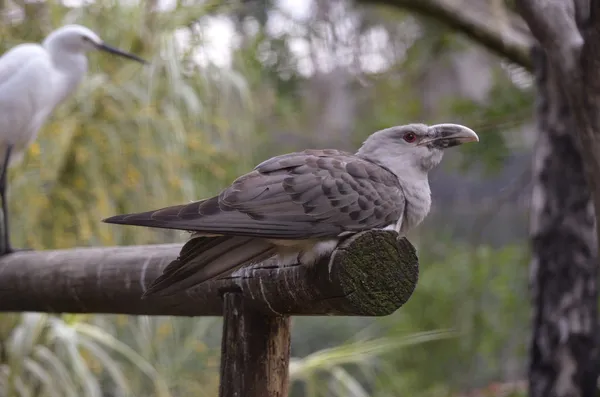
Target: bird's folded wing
(204, 258)
(17, 59)
(310, 194)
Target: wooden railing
(370, 274)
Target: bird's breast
(417, 206)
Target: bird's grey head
(77, 39)
(414, 147)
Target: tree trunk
(564, 271)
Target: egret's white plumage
(34, 79)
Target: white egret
(34, 79)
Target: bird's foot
(12, 250)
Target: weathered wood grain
(370, 274)
(255, 351)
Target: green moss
(379, 273)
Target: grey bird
(298, 206)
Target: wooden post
(255, 351)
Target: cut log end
(377, 272)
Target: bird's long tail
(204, 258)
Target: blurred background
(232, 83)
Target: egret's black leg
(7, 248)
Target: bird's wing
(15, 59)
(204, 258)
(27, 92)
(310, 194)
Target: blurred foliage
(135, 138)
(477, 292)
(504, 100)
(184, 351)
(50, 356)
(474, 297)
(332, 365)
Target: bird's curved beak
(448, 135)
(112, 50)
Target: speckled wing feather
(309, 194)
(203, 258)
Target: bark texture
(255, 351)
(370, 274)
(564, 271)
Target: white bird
(34, 79)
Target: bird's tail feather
(204, 258)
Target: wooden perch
(370, 274)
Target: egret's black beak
(116, 51)
(447, 135)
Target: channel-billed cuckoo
(297, 206)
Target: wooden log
(370, 274)
(255, 351)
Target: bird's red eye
(410, 137)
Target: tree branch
(506, 40)
(554, 25)
(370, 274)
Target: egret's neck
(70, 69)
